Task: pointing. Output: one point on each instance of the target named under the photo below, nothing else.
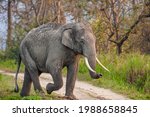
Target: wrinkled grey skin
(51, 47)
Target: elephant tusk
(88, 65)
(101, 64)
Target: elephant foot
(23, 94)
(49, 88)
(40, 93)
(71, 97)
(16, 89)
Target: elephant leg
(32, 70)
(58, 82)
(26, 84)
(35, 79)
(71, 78)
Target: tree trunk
(119, 49)
(9, 30)
(60, 13)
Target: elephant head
(79, 37)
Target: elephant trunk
(88, 65)
(91, 63)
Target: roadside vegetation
(129, 75)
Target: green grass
(10, 65)
(7, 91)
(129, 74)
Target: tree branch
(110, 36)
(126, 35)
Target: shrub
(138, 71)
(2, 55)
(12, 53)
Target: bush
(12, 53)
(2, 55)
(138, 71)
(137, 78)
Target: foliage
(111, 20)
(2, 54)
(100, 29)
(12, 53)
(130, 74)
(139, 40)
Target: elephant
(51, 47)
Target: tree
(9, 30)
(144, 14)
(113, 21)
(120, 19)
(60, 12)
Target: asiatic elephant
(51, 47)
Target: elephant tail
(16, 77)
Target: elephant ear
(70, 41)
(67, 38)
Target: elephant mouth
(90, 68)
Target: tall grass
(129, 74)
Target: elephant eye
(82, 37)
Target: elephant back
(47, 27)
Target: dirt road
(82, 90)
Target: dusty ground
(82, 90)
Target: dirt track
(82, 90)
